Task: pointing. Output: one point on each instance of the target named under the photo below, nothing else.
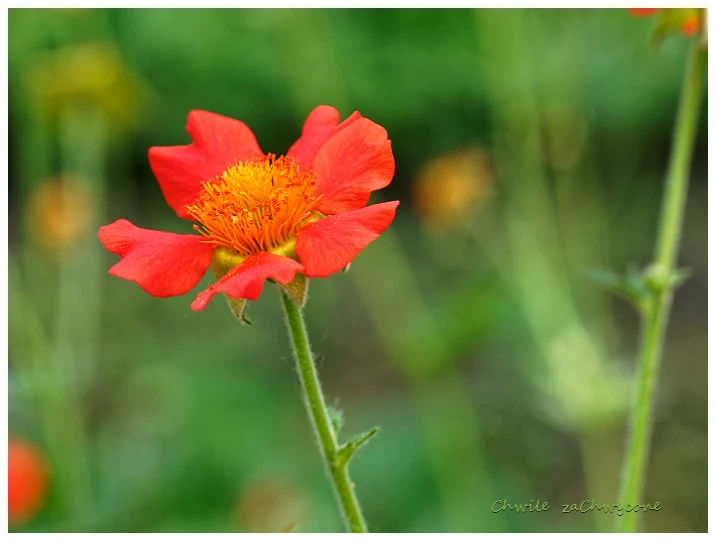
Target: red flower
(685, 19)
(643, 12)
(260, 216)
(27, 481)
(690, 26)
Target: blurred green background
(530, 146)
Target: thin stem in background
(82, 139)
(318, 412)
(655, 315)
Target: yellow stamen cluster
(255, 206)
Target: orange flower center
(255, 206)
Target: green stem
(318, 412)
(677, 181)
(655, 315)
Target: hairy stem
(318, 412)
(655, 314)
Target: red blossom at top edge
(643, 12)
(690, 26)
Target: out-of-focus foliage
(494, 366)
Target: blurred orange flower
(451, 186)
(58, 211)
(270, 506)
(27, 481)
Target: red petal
(353, 163)
(321, 124)
(328, 245)
(643, 12)
(163, 264)
(246, 281)
(219, 141)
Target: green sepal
(225, 259)
(238, 308)
(297, 289)
(659, 280)
(348, 450)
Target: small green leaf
(349, 449)
(631, 286)
(679, 276)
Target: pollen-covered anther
(255, 206)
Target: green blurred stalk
(54, 376)
(38, 371)
(655, 314)
(45, 377)
(320, 419)
(532, 260)
(82, 141)
(82, 138)
(34, 157)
